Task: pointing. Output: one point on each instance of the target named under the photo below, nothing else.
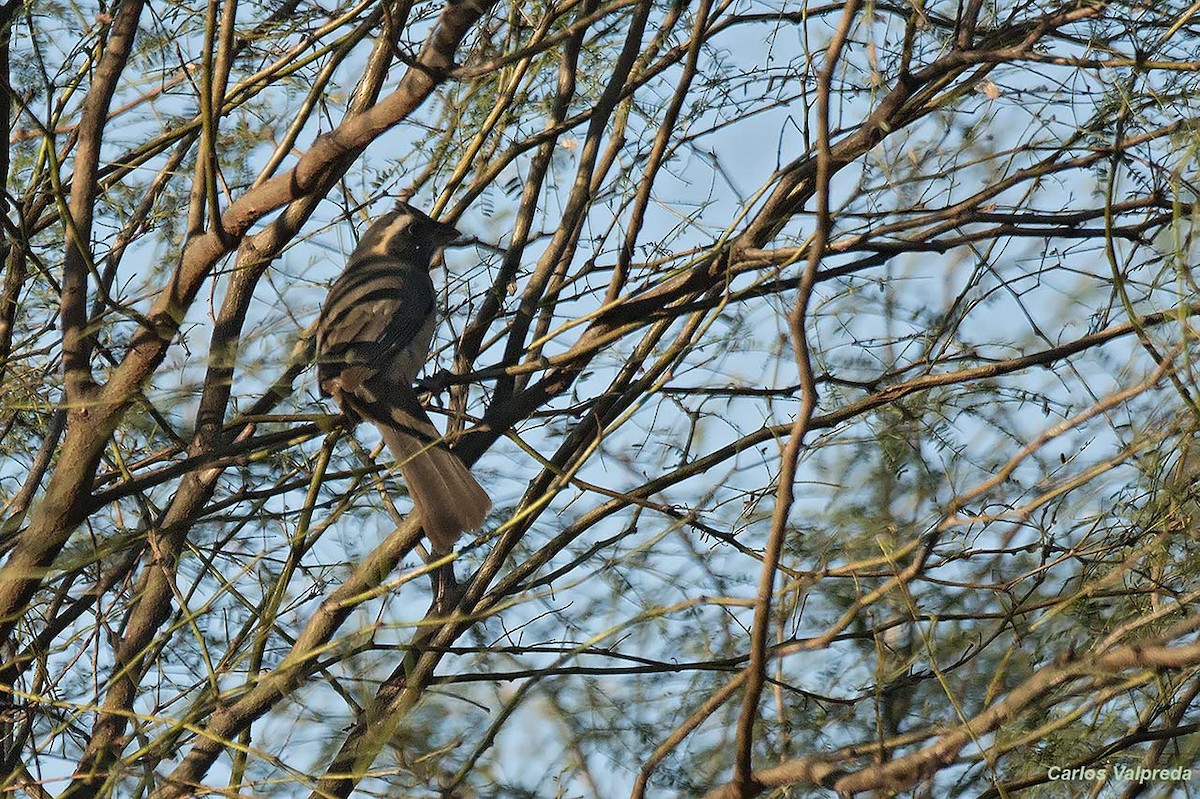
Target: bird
(372, 338)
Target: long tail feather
(446, 496)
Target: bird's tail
(446, 496)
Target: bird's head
(405, 231)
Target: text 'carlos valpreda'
(1120, 773)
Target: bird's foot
(446, 591)
(436, 382)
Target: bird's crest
(403, 231)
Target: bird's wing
(376, 309)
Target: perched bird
(373, 336)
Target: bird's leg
(437, 382)
(446, 590)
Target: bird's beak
(445, 234)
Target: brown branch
(63, 506)
(908, 770)
(79, 260)
(756, 671)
